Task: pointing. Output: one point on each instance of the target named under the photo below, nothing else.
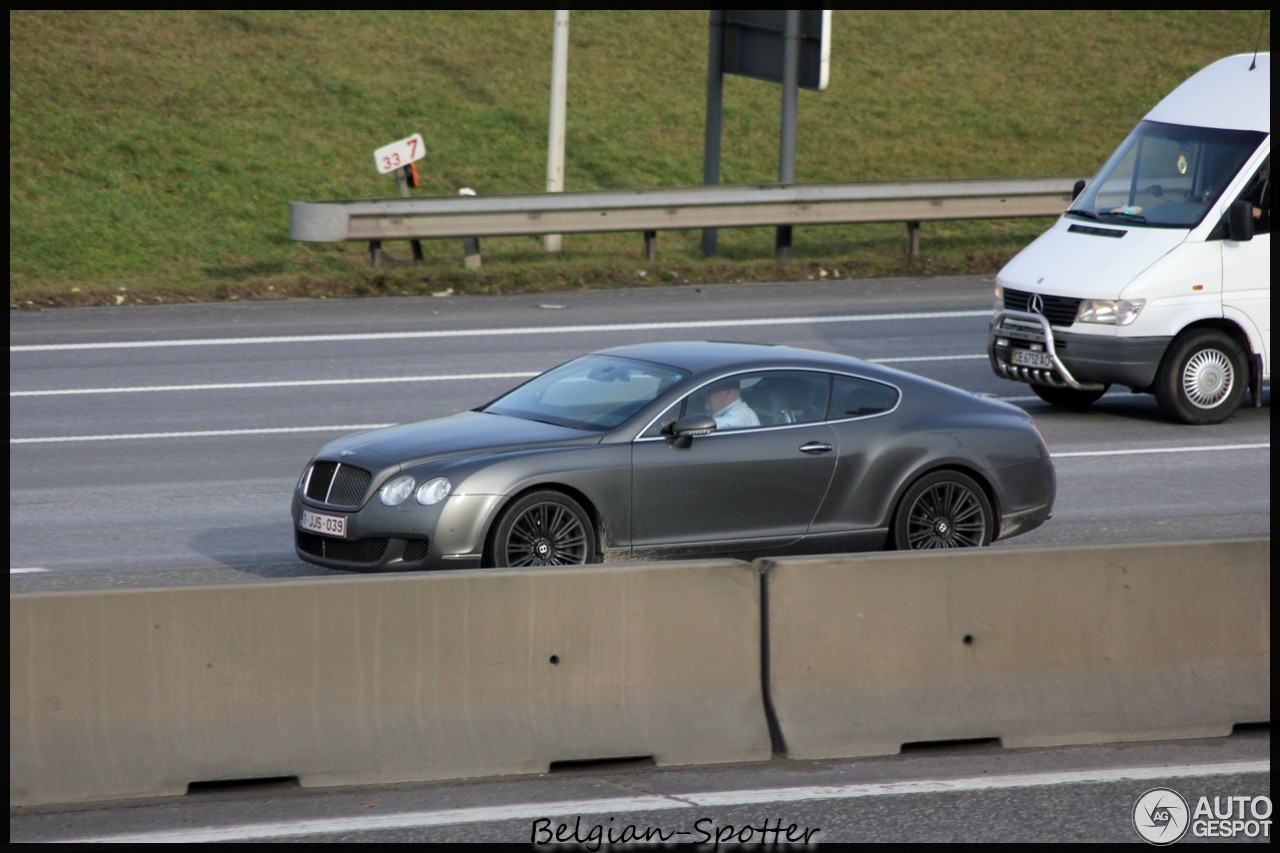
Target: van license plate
(1031, 358)
(325, 525)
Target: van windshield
(1166, 175)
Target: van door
(1246, 268)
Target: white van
(1159, 275)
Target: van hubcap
(1208, 378)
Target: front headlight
(1110, 312)
(999, 298)
(398, 490)
(433, 491)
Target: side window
(856, 398)
(748, 400)
(780, 397)
(1259, 195)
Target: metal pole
(787, 144)
(715, 100)
(403, 180)
(555, 134)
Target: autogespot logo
(1161, 816)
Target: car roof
(700, 357)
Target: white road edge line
(499, 332)
(656, 802)
(370, 380)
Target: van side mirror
(1240, 221)
(1076, 190)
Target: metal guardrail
(652, 210)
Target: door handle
(813, 448)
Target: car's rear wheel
(1203, 377)
(945, 509)
(1068, 398)
(543, 528)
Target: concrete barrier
(128, 693)
(1036, 647)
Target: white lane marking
(350, 428)
(26, 571)
(300, 383)
(499, 332)
(656, 802)
(1145, 450)
(208, 433)
(372, 380)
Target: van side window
(1258, 195)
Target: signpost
(399, 157)
(399, 154)
(791, 47)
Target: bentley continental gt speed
(679, 450)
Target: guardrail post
(651, 246)
(404, 177)
(782, 243)
(913, 239)
(470, 245)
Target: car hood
(465, 433)
(1086, 263)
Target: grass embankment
(152, 155)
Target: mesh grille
(363, 551)
(1058, 310)
(336, 484)
(416, 549)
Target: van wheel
(1203, 377)
(1068, 398)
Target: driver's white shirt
(736, 415)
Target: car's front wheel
(543, 528)
(945, 509)
(1203, 377)
(1068, 398)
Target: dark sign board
(753, 45)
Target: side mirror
(1076, 190)
(1240, 221)
(689, 426)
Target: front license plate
(1031, 358)
(325, 525)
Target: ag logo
(1161, 816)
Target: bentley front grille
(337, 484)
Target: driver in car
(729, 409)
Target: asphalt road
(159, 445)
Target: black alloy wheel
(945, 509)
(543, 528)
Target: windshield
(1166, 175)
(592, 392)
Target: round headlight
(398, 490)
(433, 491)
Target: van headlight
(1109, 312)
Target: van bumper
(1069, 360)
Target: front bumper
(1082, 362)
(409, 537)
